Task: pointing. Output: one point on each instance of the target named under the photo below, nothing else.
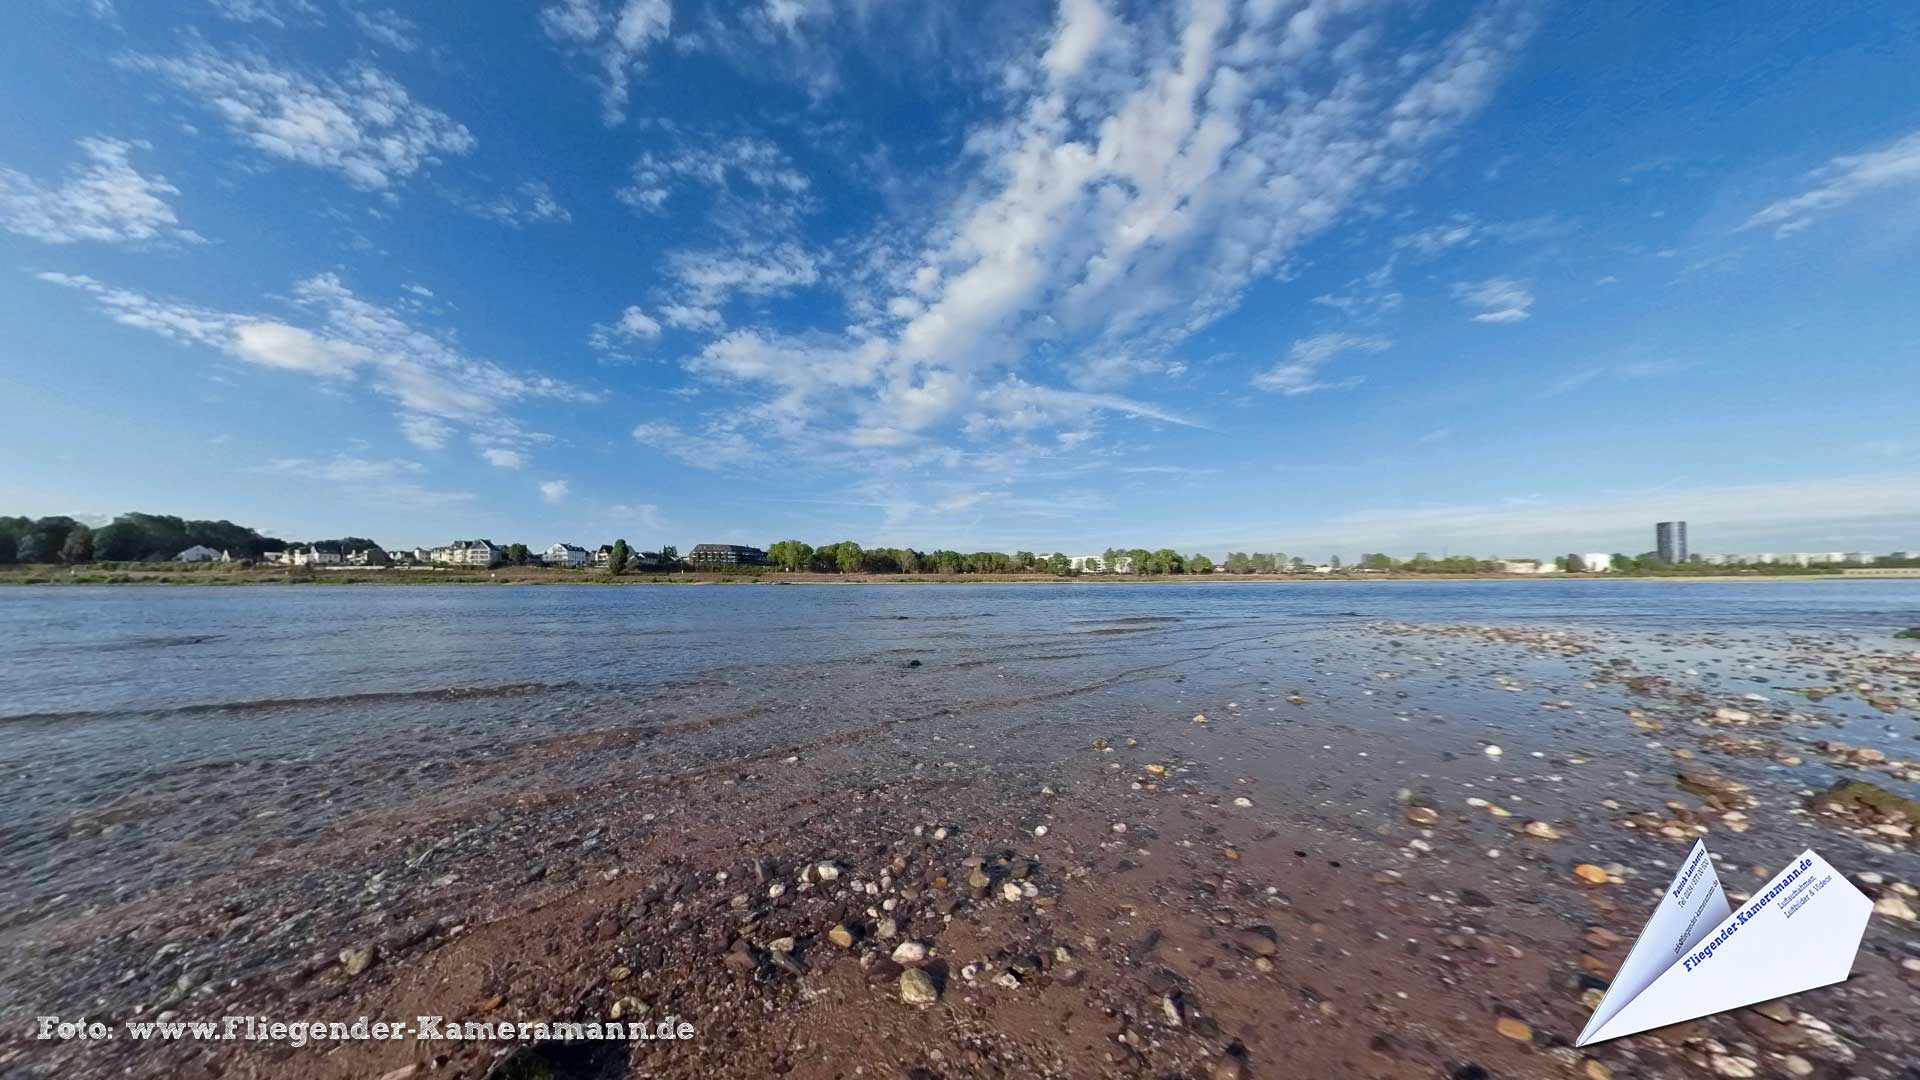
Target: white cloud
(713, 448)
(553, 490)
(433, 383)
(369, 481)
(1841, 181)
(706, 279)
(1299, 373)
(273, 12)
(389, 28)
(533, 202)
(616, 36)
(363, 125)
(647, 514)
(1500, 300)
(754, 171)
(691, 317)
(633, 325)
(107, 200)
(1146, 168)
(505, 459)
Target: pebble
(1895, 907)
(1736, 1067)
(1493, 751)
(1513, 1029)
(827, 871)
(1242, 801)
(1541, 830)
(1423, 815)
(917, 989)
(909, 952)
(841, 936)
(1039, 830)
(358, 960)
(1591, 874)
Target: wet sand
(1231, 850)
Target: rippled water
(141, 725)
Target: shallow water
(174, 755)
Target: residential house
(602, 557)
(372, 556)
(569, 556)
(313, 556)
(481, 553)
(720, 556)
(197, 553)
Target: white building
(1597, 562)
(481, 553)
(313, 557)
(571, 556)
(1087, 564)
(1524, 566)
(197, 553)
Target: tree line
(850, 557)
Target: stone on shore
(917, 989)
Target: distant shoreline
(212, 576)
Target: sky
(1315, 276)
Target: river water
(162, 745)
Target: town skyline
(152, 538)
(999, 276)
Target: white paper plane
(1697, 955)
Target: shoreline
(1262, 860)
(163, 575)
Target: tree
(846, 556)
(1575, 564)
(1376, 560)
(1333, 561)
(669, 556)
(1199, 564)
(518, 554)
(44, 538)
(789, 555)
(617, 562)
(9, 547)
(78, 546)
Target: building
(197, 553)
(1086, 564)
(1859, 558)
(1670, 541)
(1524, 566)
(312, 556)
(483, 553)
(714, 556)
(570, 556)
(372, 556)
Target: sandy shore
(1257, 857)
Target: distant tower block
(1670, 540)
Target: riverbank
(1126, 843)
(215, 574)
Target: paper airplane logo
(1697, 955)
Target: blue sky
(1305, 275)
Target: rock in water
(917, 989)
